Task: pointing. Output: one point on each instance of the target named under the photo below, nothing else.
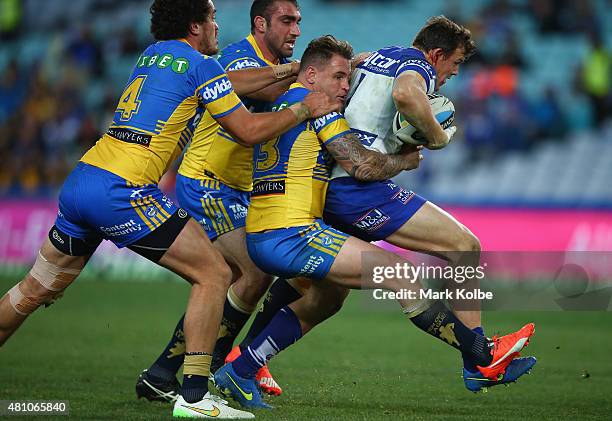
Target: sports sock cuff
(416, 307)
(479, 330)
(197, 364)
(237, 303)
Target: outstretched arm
(250, 81)
(272, 92)
(250, 128)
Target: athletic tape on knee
(198, 364)
(416, 308)
(21, 304)
(51, 276)
(237, 302)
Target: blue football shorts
(97, 204)
(370, 211)
(217, 208)
(306, 251)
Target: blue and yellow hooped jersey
(292, 171)
(169, 89)
(213, 151)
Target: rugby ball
(444, 111)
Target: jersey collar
(251, 40)
(297, 85)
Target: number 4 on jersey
(129, 102)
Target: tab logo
(220, 87)
(366, 138)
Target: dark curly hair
(441, 32)
(170, 19)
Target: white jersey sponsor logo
(214, 92)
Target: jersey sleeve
(330, 127)
(215, 90)
(423, 68)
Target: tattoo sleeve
(364, 164)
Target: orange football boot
(505, 349)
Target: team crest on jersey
(372, 220)
(151, 211)
(327, 240)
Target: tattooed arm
(367, 165)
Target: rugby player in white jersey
(286, 235)
(389, 80)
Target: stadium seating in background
(531, 105)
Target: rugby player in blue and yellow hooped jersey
(112, 193)
(287, 237)
(214, 184)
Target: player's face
(209, 42)
(333, 79)
(283, 29)
(447, 66)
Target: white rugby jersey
(370, 107)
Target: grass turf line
(361, 365)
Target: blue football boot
(476, 382)
(244, 391)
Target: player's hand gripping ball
(444, 111)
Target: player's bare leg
(323, 300)
(252, 283)
(52, 273)
(193, 257)
(353, 268)
(434, 231)
(248, 285)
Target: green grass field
(362, 365)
